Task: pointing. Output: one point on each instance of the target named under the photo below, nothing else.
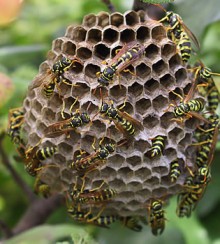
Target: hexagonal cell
(136, 89)
(141, 145)
(98, 127)
(159, 103)
(180, 75)
(51, 55)
(186, 139)
(110, 35)
(55, 102)
(66, 175)
(70, 104)
(192, 123)
(175, 62)
(134, 185)
(160, 67)
(150, 122)
(101, 51)
(90, 20)
(131, 18)
(126, 106)
(94, 35)
(117, 160)
(142, 71)
(153, 181)
(127, 35)
(36, 106)
(44, 67)
(126, 174)
(174, 97)
(80, 89)
(69, 48)
(158, 33)
(162, 170)
(48, 114)
(84, 53)
(151, 86)
(78, 34)
(142, 105)
(152, 51)
(57, 45)
(143, 34)
(91, 70)
(135, 160)
(76, 67)
(103, 19)
(176, 134)
(89, 107)
(167, 80)
(186, 89)
(168, 50)
(165, 119)
(117, 19)
(117, 92)
(170, 152)
(41, 127)
(108, 173)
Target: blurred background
(27, 29)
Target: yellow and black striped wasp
(15, 121)
(175, 170)
(54, 76)
(92, 196)
(90, 162)
(156, 215)
(208, 135)
(89, 218)
(65, 126)
(204, 80)
(33, 157)
(188, 107)
(131, 223)
(124, 122)
(180, 34)
(158, 145)
(128, 54)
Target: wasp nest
(146, 91)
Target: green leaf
(53, 234)
(197, 15)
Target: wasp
(122, 120)
(54, 76)
(157, 146)
(156, 217)
(92, 196)
(180, 34)
(131, 223)
(89, 218)
(127, 55)
(15, 121)
(42, 188)
(209, 135)
(203, 76)
(91, 161)
(77, 119)
(174, 170)
(203, 175)
(34, 156)
(188, 107)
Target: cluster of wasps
(78, 196)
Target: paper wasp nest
(146, 91)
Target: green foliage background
(23, 46)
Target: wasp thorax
(116, 124)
